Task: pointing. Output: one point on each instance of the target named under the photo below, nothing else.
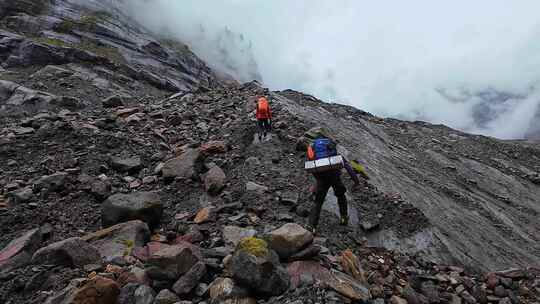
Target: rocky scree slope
(479, 193)
(141, 185)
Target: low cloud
(473, 65)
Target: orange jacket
(263, 109)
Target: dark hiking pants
(324, 182)
(264, 126)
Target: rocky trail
(131, 172)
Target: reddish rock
(302, 272)
(19, 251)
(492, 280)
(214, 147)
(204, 215)
(309, 272)
(173, 261)
(98, 290)
(351, 265)
(143, 253)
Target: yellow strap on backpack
(359, 168)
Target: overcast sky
(391, 58)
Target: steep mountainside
(104, 123)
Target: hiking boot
(344, 221)
(260, 137)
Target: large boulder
(119, 240)
(172, 262)
(257, 268)
(144, 206)
(19, 251)
(73, 252)
(214, 180)
(185, 166)
(290, 239)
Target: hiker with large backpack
(324, 162)
(264, 117)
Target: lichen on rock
(253, 246)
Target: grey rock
(68, 102)
(201, 289)
(144, 295)
(263, 275)
(166, 297)
(127, 293)
(254, 187)
(468, 298)
(225, 289)
(130, 164)
(306, 254)
(22, 195)
(144, 206)
(285, 217)
(185, 166)
(70, 252)
(369, 225)
(52, 182)
(214, 180)
(113, 101)
(51, 71)
(289, 239)
(190, 280)
(290, 198)
(100, 189)
(500, 291)
(431, 292)
(120, 239)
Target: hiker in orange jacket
(264, 117)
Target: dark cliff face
(31, 7)
(96, 28)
